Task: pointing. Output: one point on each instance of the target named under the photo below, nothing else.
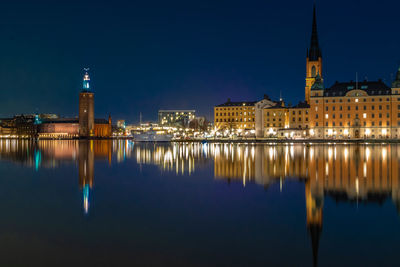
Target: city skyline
(238, 51)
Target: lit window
(326, 116)
(365, 115)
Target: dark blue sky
(148, 55)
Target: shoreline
(236, 141)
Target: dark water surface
(117, 203)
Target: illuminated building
(59, 128)
(86, 126)
(175, 118)
(367, 109)
(314, 59)
(235, 115)
(285, 122)
(102, 127)
(121, 124)
(86, 108)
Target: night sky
(150, 55)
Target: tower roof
(86, 81)
(315, 51)
(318, 84)
(396, 83)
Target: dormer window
(364, 87)
(350, 87)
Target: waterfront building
(235, 116)
(59, 128)
(102, 127)
(287, 121)
(86, 108)
(260, 106)
(175, 118)
(121, 124)
(51, 126)
(367, 109)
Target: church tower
(86, 108)
(314, 59)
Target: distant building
(121, 124)
(51, 126)
(59, 128)
(86, 109)
(175, 118)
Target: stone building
(235, 115)
(367, 109)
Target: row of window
(356, 107)
(293, 119)
(355, 100)
(242, 108)
(233, 114)
(293, 112)
(333, 124)
(234, 120)
(364, 115)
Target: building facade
(235, 116)
(368, 109)
(175, 118)
(287, 121)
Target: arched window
(313, 71)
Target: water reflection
(351, 173)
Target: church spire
(314, 52)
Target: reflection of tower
(314, 219)
(86, 108)
(86, 171)
(314, 59)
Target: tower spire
(314, 52)
(86, 80)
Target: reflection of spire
(314, 219)
(86, 191)
(315, 233)
(86, 171)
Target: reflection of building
(86, 171)
(175, 118)
(343, 172)
(51, 154)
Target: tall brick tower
(86, 108)
(314, 59)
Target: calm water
(117, 203)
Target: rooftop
(229, 103)
(371, 88)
